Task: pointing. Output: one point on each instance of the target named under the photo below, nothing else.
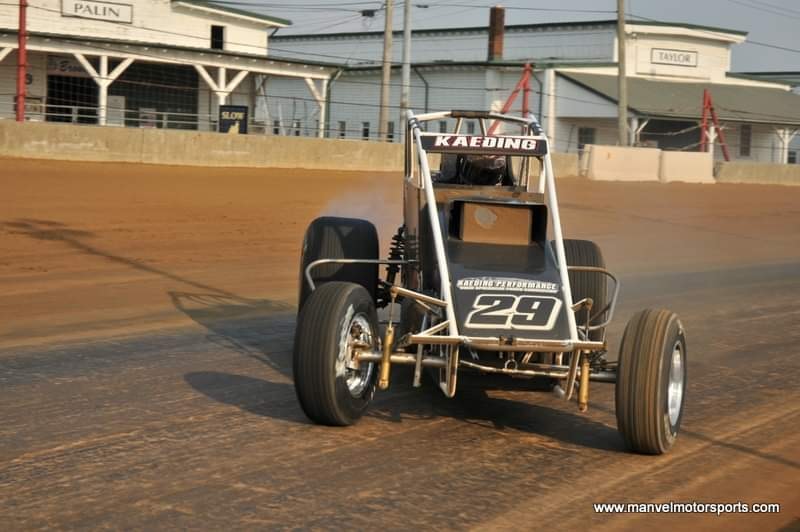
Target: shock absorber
(397, 251)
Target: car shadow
(257, 396)
(475, 405)
(76, 239)
(405, 405)
(259, 328)
(262, 329)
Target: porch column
(221, 87)
(319, 96)
(550, 93)
(103, 79)
(633, 128)
(785, 136)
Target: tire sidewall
(667, 430)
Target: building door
(71, 99)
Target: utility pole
(22, 59)
(383, 117)
(622, 102)
(406, 81)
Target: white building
(575, 87)
(147, 63)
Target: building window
(217, 37)
(365, 130)
(471, 127)
(443, 126)
(276, 127)
(390, 131)
(745, 138)
(586, 135)
(296, 127)
(342, 129)
(792, 159)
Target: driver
(482, 170)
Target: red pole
(521, 84)
(704, 123)
(526, 90)
(22, 60)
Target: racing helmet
(483, 170)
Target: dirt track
(146, 320)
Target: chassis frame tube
(600, 376)
(319, 262)
(402, 358)
(496, 344)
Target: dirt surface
(146, 322)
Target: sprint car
(478, 278)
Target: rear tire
(330, 237)
(330, 392)
(587, 284)
(651, 381)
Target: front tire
(330, 237)
(651, 381)
(331, 389)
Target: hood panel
(507, 290)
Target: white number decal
(504, 311)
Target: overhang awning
(683, 99)
(170, 54)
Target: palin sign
(108, 11)
(479, 144)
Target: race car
(478, 278)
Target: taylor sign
(108, 11)
(663, 56)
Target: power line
(715, 34)
(764, 7)
(157, 57)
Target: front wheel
(331, 387)
(651, 381)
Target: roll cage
(439, 340)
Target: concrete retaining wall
(688, 167)
(758, 173)
(616, 163)
(565, 164)
(191, 148)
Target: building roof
(122, 47)
(741, 103)
(232, 11)
(537, 64)
(788, 77)
(509, 28)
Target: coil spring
(397, 251)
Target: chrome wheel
(675, 384)
(356, 334)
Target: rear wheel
(651, 381)
(587, 284)
(330, 237)
(331, 387)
